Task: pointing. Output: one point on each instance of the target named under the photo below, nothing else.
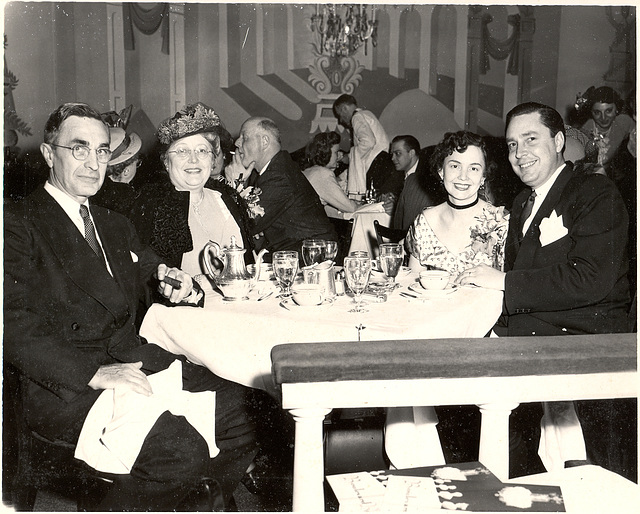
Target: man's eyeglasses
(81, 152)
(184, 153)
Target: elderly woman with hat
(178, 215)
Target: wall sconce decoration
(343, 35)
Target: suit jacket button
(75, 326)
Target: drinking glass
(285, 267)
(331, 250)
(390, 257)
(357, 271)
(313, 251)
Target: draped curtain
(500, 50)
(146, 20)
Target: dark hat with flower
(191, 119)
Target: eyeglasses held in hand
(81, 152)
(185, 153)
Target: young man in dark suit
(292, 209)
(74, 277)
(565, 265)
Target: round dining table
(234, 338)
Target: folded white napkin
(370, 207)
(120, 420)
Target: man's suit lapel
(76, 257)
(531, 241)
(118, 255)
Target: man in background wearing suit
(421, 187)
(292, 209)
(565, 265)
(74, 276)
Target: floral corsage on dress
(489, 234)
(251, 197)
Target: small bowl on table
(307, 295)
(434, 279)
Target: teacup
(434, 279)
(307, 294)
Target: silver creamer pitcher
(322, 274)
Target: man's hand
(388, 202)
(122, 375)
(174, 294)
(236, 171)
(482, 276)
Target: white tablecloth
(234, 339)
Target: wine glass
(285, 267)
(313, 251)
(357, 271)
(390, 257)
(331, 250)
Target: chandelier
(343, 35)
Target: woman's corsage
(489, 235)
(251, 196)
(602, 144)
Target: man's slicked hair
(410, 142)
(549, 117)
(65, 111)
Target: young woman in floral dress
(465, 230)
(453, 236)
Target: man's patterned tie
(90, 233)
(526, 211)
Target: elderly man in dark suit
(74, 277)
(565, 260)
(292, 210)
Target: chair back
(388, 235)
(344, 229)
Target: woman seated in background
(465, 230)
(322, 158)
(178, 215)
(453, 236)
(607, 126)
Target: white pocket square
(134, 257)
(552, 229)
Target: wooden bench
(494, 373)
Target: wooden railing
(494, 373)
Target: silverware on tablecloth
(407, 295)
(265, 296)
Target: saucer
(432, 293)
(290, 305)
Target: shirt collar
(70, 206)
(543, 190)
(411, 170)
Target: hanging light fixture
(341, 36)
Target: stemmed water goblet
(357, 270)
(313, 251)
(331, 250)
(285, 267)
(390, 257)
